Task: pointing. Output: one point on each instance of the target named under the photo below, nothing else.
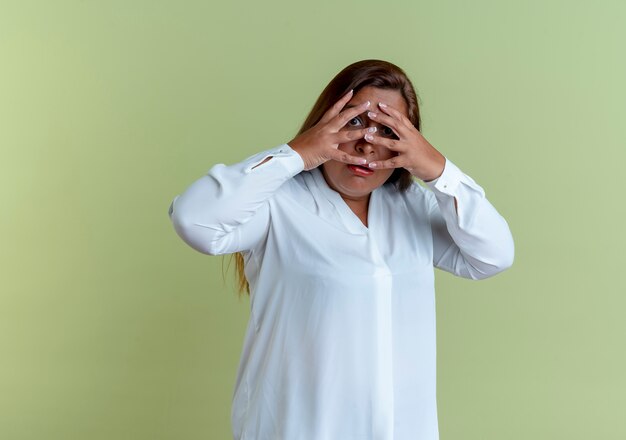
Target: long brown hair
(373, 73)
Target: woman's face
(351, 183)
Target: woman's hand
(320, 143)
(414, 153)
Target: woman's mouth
(360, 170)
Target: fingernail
(372, 165)
(366, 104)
(362, 161)
(369, 137)
(371, 129)
(371, 114)
(382, 105)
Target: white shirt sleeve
(474, 242)
(226, 210)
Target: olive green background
(111, 327)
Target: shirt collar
(341, 208)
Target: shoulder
(416, 195)
(297, 189)
(297, 185)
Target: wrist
(432, 177)
(305, 159)
(433, 172)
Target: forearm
(477, 242)
(208, 212)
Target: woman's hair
(373, 73)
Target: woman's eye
(353, 119)
(388, 131)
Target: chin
(359, 191)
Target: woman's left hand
(414, 152)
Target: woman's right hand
(320, 143)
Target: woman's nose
(364, 147)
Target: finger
(350, 135)
(336, 108)
(382, 118)
(392, 144)
(342, 156)
(342, 118)
(396, 114)
(394, 162)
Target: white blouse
(341, 340)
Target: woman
(339, 244)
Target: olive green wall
(112, 328)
